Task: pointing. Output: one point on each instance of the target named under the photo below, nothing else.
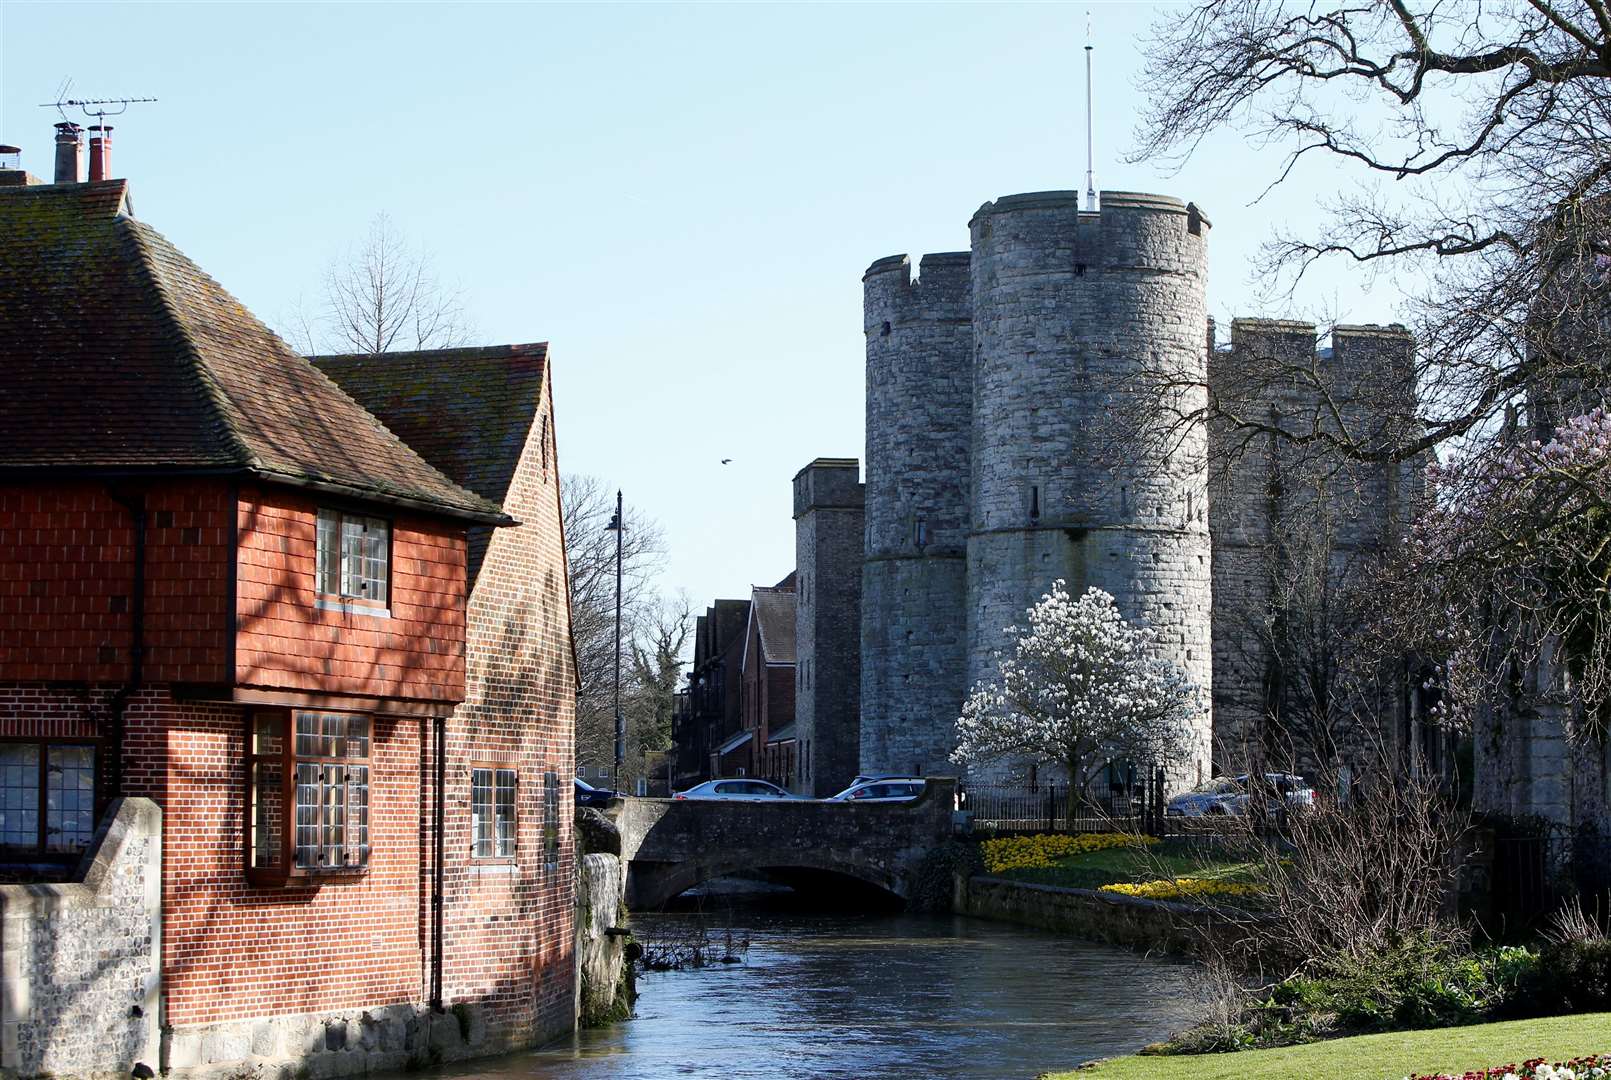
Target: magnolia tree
(1080, 687)
(1512, 561)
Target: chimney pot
(69, 153)
(100, 152)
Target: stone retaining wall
(80, 976)
(1153, 925)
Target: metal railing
(1052, 807)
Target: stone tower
(914, 587)
(828, 528)
(1300, 514)
(1069, 309)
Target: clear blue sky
(681, 199)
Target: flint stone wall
(80, 960)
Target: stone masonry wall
(1069, 308)
(919, 432)
(828, 501)
(80, 981)
(1280, 511)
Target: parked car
(1285, 791)
(753, 790)
(882, 789)
(1207, 798)
(588, 795)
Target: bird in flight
(726, 460)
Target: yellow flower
(1185, 888)
(1044, 849)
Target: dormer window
(354, 556)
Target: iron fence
(1133, 804)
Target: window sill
(303, 879)
(494, 868)
(352, 607)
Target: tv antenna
(1090, 155)
(97, 109)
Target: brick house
(235, 613)
(713, 718)
(768, 682)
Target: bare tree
(659, 641)
(1474, 139)
(589, 505)
(381, 295)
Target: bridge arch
(653, 885)
(671, 845)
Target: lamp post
(617, 526)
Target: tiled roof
(774, 614)
(469, 412)
(117, 353)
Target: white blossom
(1080, 686)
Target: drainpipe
(135, 504)
(440, 753)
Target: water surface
(855, 995)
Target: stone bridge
(671, 845)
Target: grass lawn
(1097, 868)
(1379, 1057)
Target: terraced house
(286, 682)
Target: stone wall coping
(124, 818)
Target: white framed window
(354, 556)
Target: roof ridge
(135, 232)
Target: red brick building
(334, 651)
(768, 683)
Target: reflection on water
(896, 996)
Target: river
(871, 995)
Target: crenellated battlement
(941, 291)
(1046, 231)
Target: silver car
(1213, 797)
(748, 790)
(882, 789)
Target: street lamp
(618, 527)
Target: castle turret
(828, 498)
(1070, 311)
(914, 590)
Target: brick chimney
(100, 152)
(69, 153)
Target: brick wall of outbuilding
(509, 926)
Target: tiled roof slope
(469, 412)
(774, 612)
(118, 353)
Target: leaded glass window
(308, 794)
(47, 797)
(492, 813)
(551, 820)
(353, 555)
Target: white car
(1212, 797)
(750, 790)
(882, 789)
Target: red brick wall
(286, 641)
(233, 950)
(509, 937)
(67, 574)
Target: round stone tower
(1069, 310)
(914, 588)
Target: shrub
(1574, 976)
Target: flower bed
(1043, 849)
(1594, 1067)
(1184, 888)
